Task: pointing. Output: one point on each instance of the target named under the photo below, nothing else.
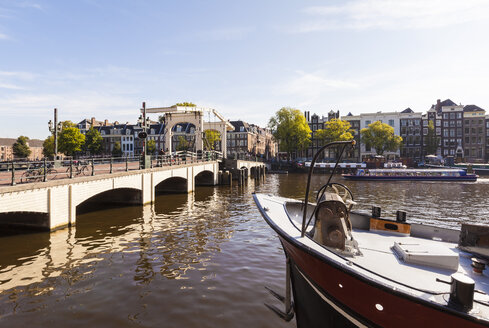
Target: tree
(48, 147)
(151, 146)
(183, 143)
(185, 104)
(212, 137)
(381, 137)
(335, 130)
(70, 139)
(21, 148)
(117, 151)
(290, 129)
(93, 141)
(432, 140)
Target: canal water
(196, 260)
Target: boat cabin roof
(416, 171)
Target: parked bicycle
(35, 173)
(79, 168)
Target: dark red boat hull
(325, 295)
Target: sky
(246, 59)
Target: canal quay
(198, 259)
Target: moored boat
(412, 175)
(347, 269)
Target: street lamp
(55, 129)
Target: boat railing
(344, 144)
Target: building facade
(250, 141)
(7, 150)
(411, 132)
(474, 134)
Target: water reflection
(178, 233)
(195, 260)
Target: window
(438, 131)
(467, 122)
(241, 128)
(438, 123)
(445, 124)
(367, 123)
(425, 122)
(403, 123)
(467, 130)
(452, 116)
(425, 131)
(445, 116)
(416, 122)
(459, 115)
(459, 123)
(391, 123)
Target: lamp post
(143, 122)
(55, 129)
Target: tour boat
(347, 269)
(412, 175)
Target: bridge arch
(205, 178)
(213, 139)
(183, 136)
(129, 196)
(174, 119)
(23, 221)
(172, 185)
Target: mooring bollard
(111, 165)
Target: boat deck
(379, 256)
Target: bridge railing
(15, 172)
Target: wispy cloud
(3, 36)
(27, 4)
(10, 86)
(17, 75)
(393, 14)
(225, 34)
(311, 86)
